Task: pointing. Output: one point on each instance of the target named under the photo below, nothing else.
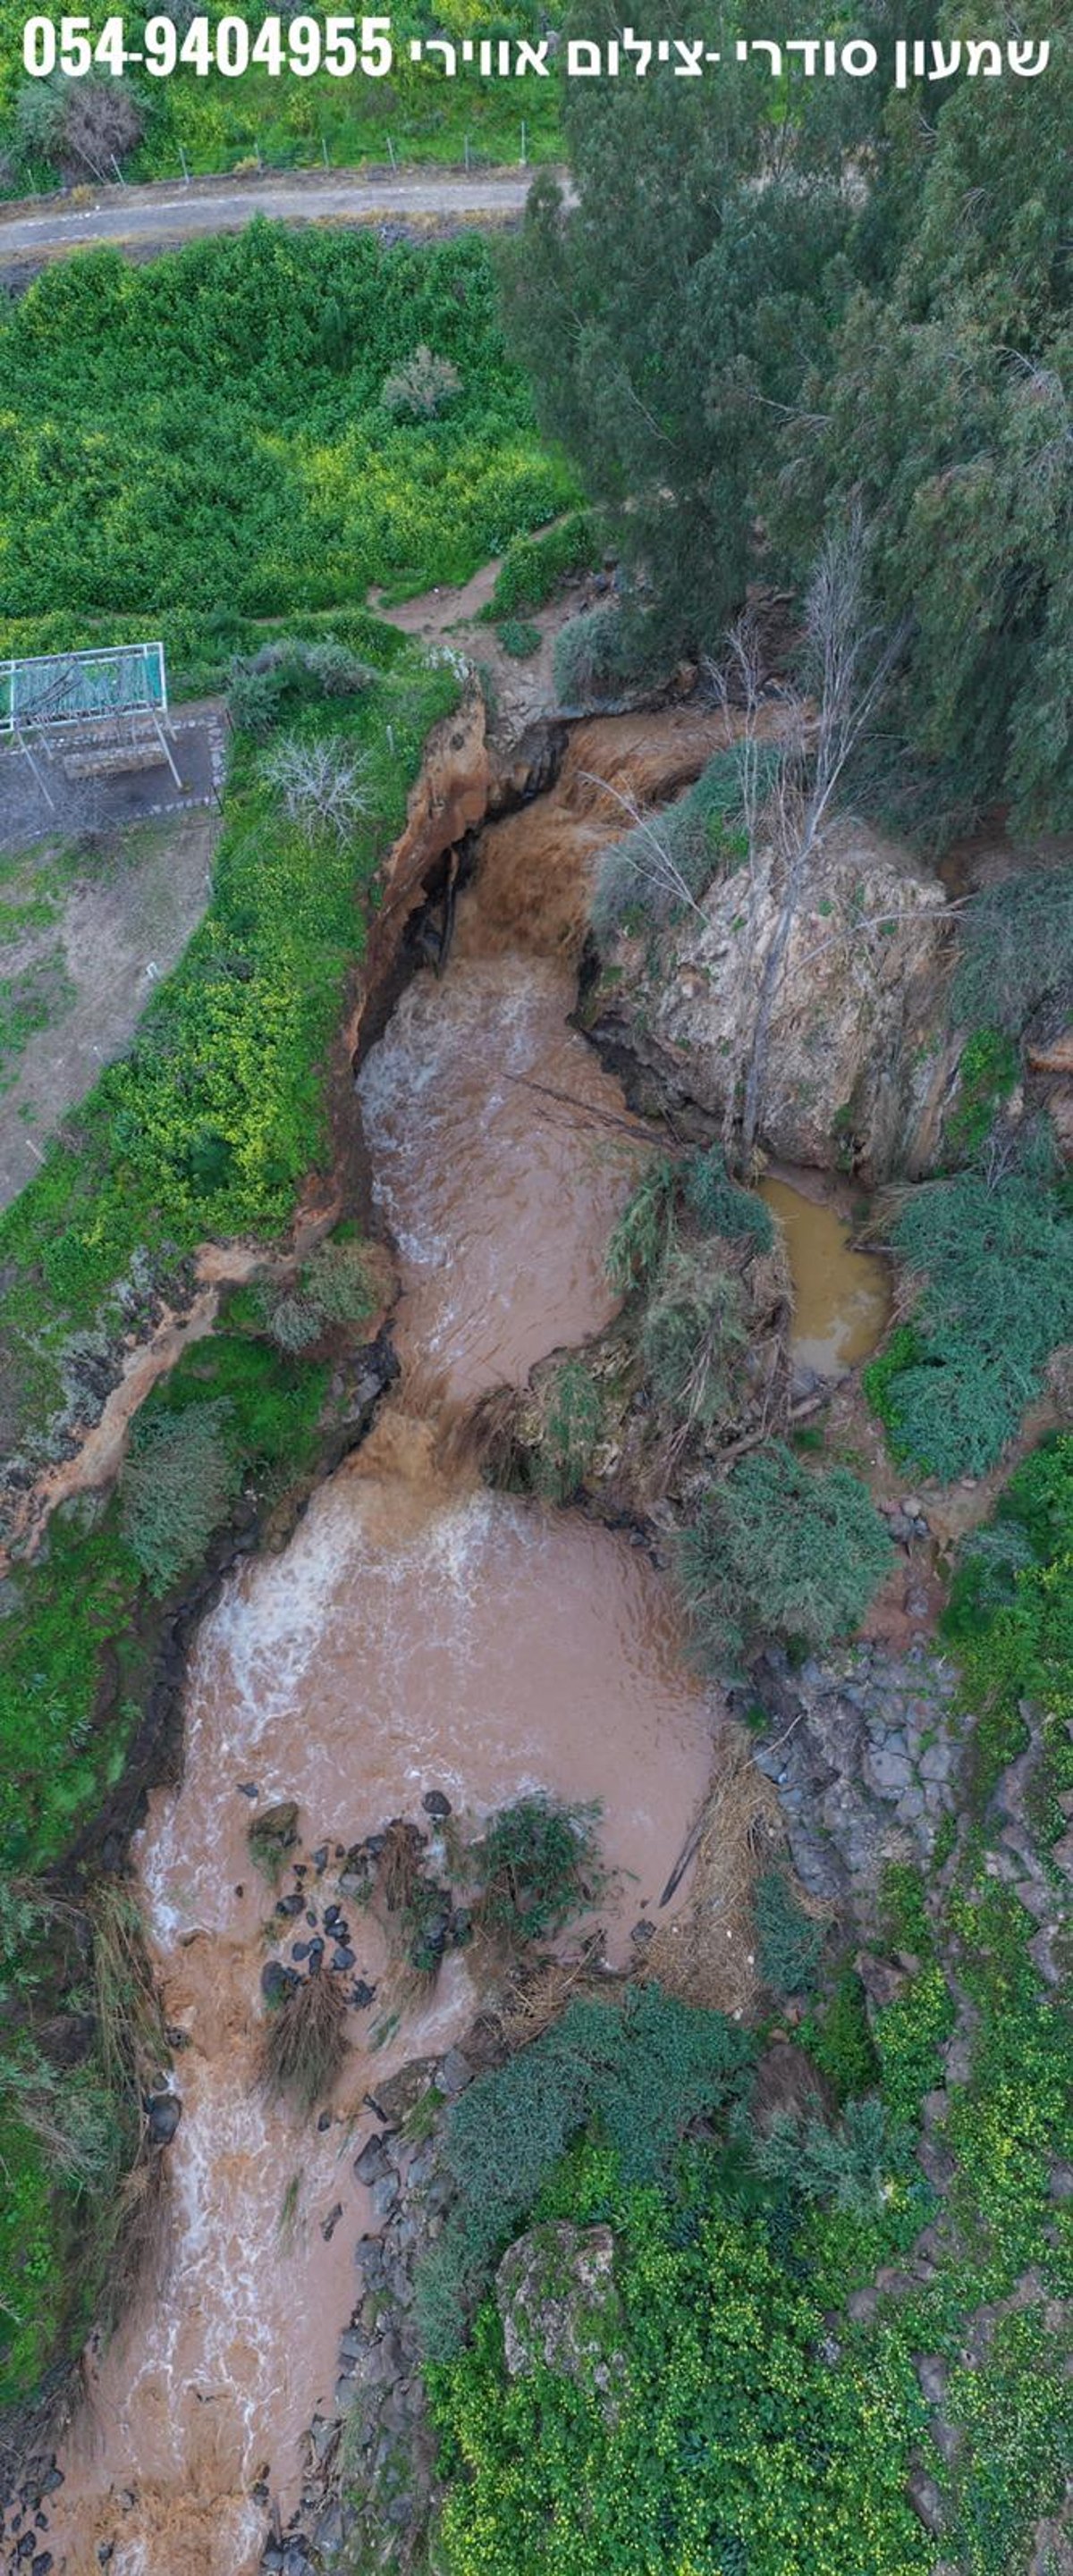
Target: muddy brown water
(842, 1297)
(417, 1632)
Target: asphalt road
(142, 220)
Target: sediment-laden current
(417, 1632)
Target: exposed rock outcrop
(861, 1064)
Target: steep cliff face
(860, 1062)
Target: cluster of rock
(862, 1063)
(24, 2519)
(864, 1751)
(369, 2480)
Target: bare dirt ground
(83, 940)
(144, 220)
(521, 690)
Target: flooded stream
(416, 1633)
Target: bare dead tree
(322, 785)
(651, 862)
(786, 804)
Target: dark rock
(332, 1914)
(372, 2163)
(453, 2074)
(275, 1981)
(435, 1804)
(324, 2122)
(330, 2532)
(300, 1949)
(43, 2564)
(362, 1994)
(342, 1959)
(400, 2092)
(934, 2374)
(385, 2195)
(247, 1788)
(312, 1917)
(275, 1829)
(290, 1905)
(165, 2112)
(320, 1859)
(316, 1952)
(329, 2224)
(926, 2500)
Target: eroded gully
(417, 1632)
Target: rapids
(417, 1632)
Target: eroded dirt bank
(417, 1633)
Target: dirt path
(142, 220)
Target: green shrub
(518, 638)
(838, 2039)
(289, 672)
(600, 654)
(718, 1204)
(908, 2035)
(571, 1423)
(1015, 951)
(845, 2168)
(693, 1338)
(639, 2069)
(1010, 1619)
(996, 1297)
(333, 1287)
(780, 1550)
(987, 1074)
(644, 1231)
(533, 567)
(177, 1483)
(789, 1942)
(538, 1865)
(669, 859)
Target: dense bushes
(639, 2069)
(1016, 950)
(996, 1267)
(1010, 1617)
(727, 2436)
(76, 1638)
(779, 1550)
(208, 431)
(600, 654)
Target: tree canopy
(769, 304)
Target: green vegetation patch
(639, 2069)
(217, 1114)
(210, 431)
(534, 567)
(996, 1298)
(726, 2436)
(780, 1549)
